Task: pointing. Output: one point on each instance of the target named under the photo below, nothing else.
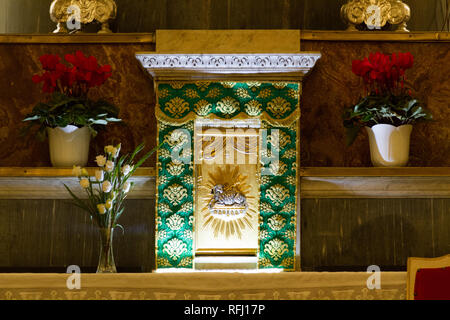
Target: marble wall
(31, 16)
(328, 90)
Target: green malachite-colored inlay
(175, 197)
(226, 100)
(179, 103)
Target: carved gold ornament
(278, 107)
(228, 106)
(175, 248)
(277, 194)
(177, 106)
(253, 108)
(375, 14)
(230, 207)
(175, 222)
(175, 194)
(64, 12)
(275, 249)
(175, 168)
(202, 108)
(276, 222)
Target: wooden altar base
(205, 286)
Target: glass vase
(106, 262)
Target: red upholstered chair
(428, 278)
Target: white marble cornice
(226, 66)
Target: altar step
(225, 263)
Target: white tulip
(109, 204)
(126, 187)
(101, 208)
(76, 171)
(126, 169)
(99, 175)
(106, 186)
(109, 166)
(101, 160)
(84, 183)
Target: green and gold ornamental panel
(276, 105)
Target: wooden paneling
(45, 234)
(352, 234)
(32, 16)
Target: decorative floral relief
(291, 180)
(276, 222)
(203, 108)
(175, 194)
(264, 263)
(278, 168)
(188, 180)
(287, 263)
(265, 180)
(163, 262)
(275, 249)
(253, 108)
(266, 207)
(175, 168)
(177, 106)
(187, 234)
(265, 93)
(289, 234)
(191, 220)
(279, 141)
(288, 208)
(176, 139)
(228, 84)
(277, 194)
(191, 93)
(175, 222)
(164, 153)
(162, 180)
(185, 262)
(228, 105)
(161, 235)
(242, 93)
(176, 84)
(214, 93)
(163, 93)
(293, 94)
(202, 85)
(290, 154)
(254, 84)
(187, 207)
(175, 248)
(164, 208)
(263, 234)
(280, 85)
(278, 107)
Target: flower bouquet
(387, 109)
(106, 192)
(68, 112)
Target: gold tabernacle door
(227, 188)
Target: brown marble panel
(130, 88)
(327, 91)
(332, 87)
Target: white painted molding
(218, 66)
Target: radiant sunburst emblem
(229, 208)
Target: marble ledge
(305, 35)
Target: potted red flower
(388, 110)
(68, 116)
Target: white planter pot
(69, 146)
(389, 145)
